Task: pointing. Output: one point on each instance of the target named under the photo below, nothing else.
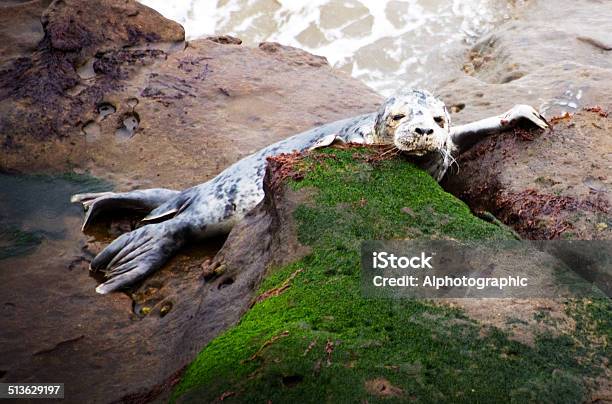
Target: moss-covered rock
(310, 336)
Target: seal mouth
(417, 152)
(414, 141)
(415, 149)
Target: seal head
(415, 121)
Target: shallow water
(40, 228)
(36, 209)
(383, 43)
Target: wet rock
(225, 40)
(89, 27)
(205, 104)
(553, 184)
(297, 56)
(20, 28)
(546, 34)
(129, 126)
(539, 186)
(42, 97)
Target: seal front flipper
(136, 254)
(525, 112)
(172, 207)
(326, 141)
(465, 136)
(142, 200)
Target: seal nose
(423, 131)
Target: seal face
(418, 124)
(413, 121)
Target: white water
(383, 43)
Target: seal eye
(398, 117)
(440, 121)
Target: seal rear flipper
(142, 200)
(136, 254)
(87, 198)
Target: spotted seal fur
(413, 121)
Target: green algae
(15, 242)
(321, 340)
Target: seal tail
(136, 254)
(142, 200)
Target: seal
(413, 121)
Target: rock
(552, 58)
(109, 88)
(90, 27)
(537, 186)
(382, 388)
(312, 324)
(20, 28)
(545, 35)
(40, 112)
(111, 102)
(225, 39)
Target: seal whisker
(447, 155)
(393, 150)
(453, 160)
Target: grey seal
(413, 121)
